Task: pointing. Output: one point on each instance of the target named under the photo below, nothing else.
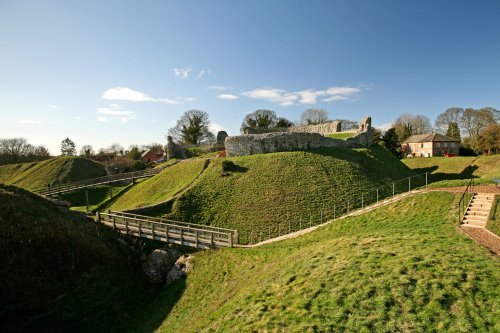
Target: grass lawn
(162, 186)
(38, 175)
(341, 136)
(493, 224)
(456, 171)
(269, 194)
(97, 195)
(402, 268)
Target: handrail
(464, 202)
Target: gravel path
(484, 237)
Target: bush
(228, 166)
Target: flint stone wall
(290, 141)
(323, 129)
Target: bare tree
(474, 121)
(314, 117)
(451, 115)
(192, 128)
(68, 147)
(14, 148)
(87, 151)
(407, 125)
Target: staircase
(478, 210)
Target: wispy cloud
(190, 99)
(181, 72)
(220, 88)
(29, 121)
(227, 97)
(203, 72)
(51, 106)
(114, 112)
(307, 96)
(215, 128)
(127, 94)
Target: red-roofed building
(428, 145)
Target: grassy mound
(38, 175)
(268, 194)
(162, 186)
(454, 171)
(401, 268)
(62, 273)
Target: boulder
(182, 267)
(159, 263)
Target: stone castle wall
(323, 129)
(289, 141)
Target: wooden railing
(74, 186)
(188, 234)
(465, 200)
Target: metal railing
(343, 205)
(465, 200)
(187, 234)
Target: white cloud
(383, 127)
(127, 94)
(78, 118)
(220, 88)
(52, 107)
(190, 99)
(307, 96)
(215, 128)
(29, 121)
(203, 72)
(274, 95)
(227, 97)
(181, 72)
(114, 112)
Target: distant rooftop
(431, 137)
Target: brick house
(151, 156)
(428, 145)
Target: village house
(151, 156)
(428, 145)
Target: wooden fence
(182, 233)
(74, 186)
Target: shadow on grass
(466, 173)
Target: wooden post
(196, 237)
(126, 225)
(153, 230)
(236, 237)
(114, 223)
(182, 235)
(212, 240)
(87, 199)
(98, 217)
(139, 225)
(426, 179)
(166, 233)
(409, 184)
(230, 240)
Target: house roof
(430, 137)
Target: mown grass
(63, 273)
(270, 194)
(456, 171)
(341, 136)
(493, 224)
(402, 268)
(161, 187)
(39, 175)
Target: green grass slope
(162, 186)
(402, 268)
(456, 170)
(62, 273)
(38, 175)
(266, 192)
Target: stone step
(475, 218)
(479, 208)
(481, 204)
(484, 196)
(480, 200)
(475, 223)
(477, 212)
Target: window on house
(421, 145)
(438, 144)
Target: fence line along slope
(262, 193)
(402, 268)
(38, 175)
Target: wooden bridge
(182, 233)
(83, 184)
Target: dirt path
(483, 237)
(477, 189)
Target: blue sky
(101, 72)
